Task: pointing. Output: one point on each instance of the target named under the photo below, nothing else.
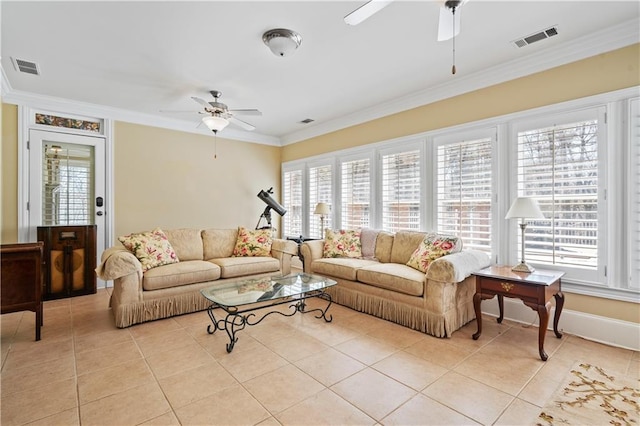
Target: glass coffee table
(240, 298)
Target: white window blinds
(634, 196)
(67, 184)
(292, 198)
(401, 191)
(320, 179)
(464, 192)
(559, 167)
(355, 193)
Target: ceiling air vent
(525, 41)
(26, 66)
(307, 121)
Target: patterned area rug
(590, 396)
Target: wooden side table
(534, 289)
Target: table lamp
(524, 208)
(322, 209)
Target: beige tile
(324, 408)
(38, 403)
(282, 388)
(519, 412)
(539, 390)
(147, 329)
(455, 391)
(271, 421)
(421, 410)
(108, 381)
(297, 346)
(608, 357)
(197, 383)
(30, 377)
(328, 333)
(366, 349)
(374, 393)
(38, 353)
(504, 370)
(410, 370)
(200, 319)
(433, 349)
(161, 341)
(270, 330)
(167, 419)
(396, 335)
(68, 417)
(129, 407)
(362, 323)
(216, 344)
(106, 357)
(330, 366)
(180, 358)
(249, 364)
(101, 340)
(234, 406)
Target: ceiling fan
(218, 115)
(448, 24)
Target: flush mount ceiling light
(215, 123)
(282, 42)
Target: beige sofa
(437, 302)
(205, 259)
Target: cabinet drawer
(507, 287)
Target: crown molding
(607, 40)
(87, 109)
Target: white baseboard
(600, 329)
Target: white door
(67, 182)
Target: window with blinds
(559, 167)
(355, 193)
(634, 195)
(401, 191)
(464, 192)
(67, 176)
(320, 188)
(292, 199)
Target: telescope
(271, 204)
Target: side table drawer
(507, 288)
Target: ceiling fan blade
(242, 124)
(445, 24)
(202, 102)
(251, 111)
(175, 111)
(365, 11)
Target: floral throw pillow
(151, 248)
(253, 243)
(342, 243)
(431, 248)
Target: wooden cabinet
(21, 270)
(69, 260)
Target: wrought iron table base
(236, 320)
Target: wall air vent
(27, 67)
(307, 121)
(541, 35)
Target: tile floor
(299, 370)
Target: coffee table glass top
(253, 290)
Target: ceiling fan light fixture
(282, 42)
(215, 123)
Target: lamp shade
(524, 208)
(322, 208)
(215, 123)
(282, 42)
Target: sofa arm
(454, 268)
(117, 262)
(310, 251)
(284, 250)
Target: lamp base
(523, 267)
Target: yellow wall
(9, 174)
(170, 179)
(603, 73)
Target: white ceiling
(130, 60)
